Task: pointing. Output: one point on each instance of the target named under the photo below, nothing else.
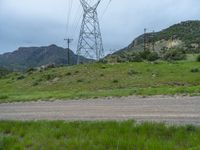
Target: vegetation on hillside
(188, 31)
(182, 39)
(101, 80)
(97, 136)
(147, 55)
(3, 72)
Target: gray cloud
(43, 22)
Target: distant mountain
(27, 57)
(184, 35)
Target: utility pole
(145, 30)
(68, 49)
(153, 40)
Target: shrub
(76, 72)
(49, 66)
(80, 80)
(145, 54)
(194, 70)
(35, 83)
(31, 70)
(103, 61)
(103, 67)
(135, 57)
(115, 81)
(198, 58)
(101, 75)
(48, 77)
(3, 72)
(174, 54)
(191, 128)
(153, 56)
(4, 97)
(120, 59)
(21, 77)
(68, 74)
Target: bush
(103, 67)
(68, 74)
(35, 83)
(153, 56)
(31, 70)
(174, 54)
(135, 57)
(194, 70)
(198, 58)
(115, 81)
(121, 59)
(3, 97)
(21, 77)
(50, 66)
(76, 72)
(48, 77)
(145, 54)
(3, 72)
(80, 80)
(149, 55)
(101, 75)
(128, 57)
(103, 61)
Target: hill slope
(99, 80)
(26, 57)
(184, 35)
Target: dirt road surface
(171, 110)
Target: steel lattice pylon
(90, 40)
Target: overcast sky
(44, 22)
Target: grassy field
(101, 80)
(97, 136)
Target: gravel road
(171, 110)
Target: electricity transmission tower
(90, 40)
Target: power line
(77, 24)
(70, 2)
(153, 40)
(76, 21)
(105, 10)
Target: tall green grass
(111, 135)
(99, 80)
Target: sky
(45, 22)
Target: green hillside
(100, 80)
(188, 32)
(183, 37)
